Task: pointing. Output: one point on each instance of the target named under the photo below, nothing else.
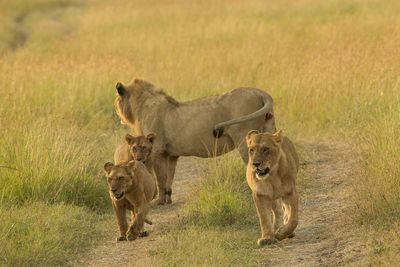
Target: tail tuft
(269, 116)
(218, 132)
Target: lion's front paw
(143, 234)
(132, 235)
(121, 238)
(282, 234)
(168, 200)
(161, 201)
(266, 241)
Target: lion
(203, 127)
(131, 187)
(271, 175)
(137, 148)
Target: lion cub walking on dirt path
(139, 148)
(271, 175)
(131, 187)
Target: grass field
(332, 67)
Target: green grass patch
(204, 246)
(218, 226)
(224, 197)
(45, 235)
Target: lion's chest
(270, 187)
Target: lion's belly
(189, 128)
(200, 148)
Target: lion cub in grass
(271, 174)
(131, 187)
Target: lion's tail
(265, 110)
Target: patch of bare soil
(325, 236)
(136, 253)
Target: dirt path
(137, 253)
(323, 238)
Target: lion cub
(131, 187)
(271, 174)
(136, 148)
(140, 148)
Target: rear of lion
(271, 175)
(204, 127)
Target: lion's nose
(256, 164)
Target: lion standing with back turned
(271, 175)
(204, 127)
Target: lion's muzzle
(117, 195)
(262, 174)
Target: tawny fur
(137, 148)
(188, 128)
(271, 175)
(131, 187)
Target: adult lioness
(131, 187)
(271, 175)
(203, 127)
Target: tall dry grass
(332, 67)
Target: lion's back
(291, 154)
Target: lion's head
(123, 104)
(264, 152)
(141, 90)
(119, 178)
(140, 147)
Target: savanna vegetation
(332, 67)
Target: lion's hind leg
(142, 231)
(291, 209)
(278, 214)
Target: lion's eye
(134, 149)
(251, 150)
(120, 178)
(265, 149)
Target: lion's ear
(107, 167)
(120, 89)
(138, 81)
(151, 137)
(278, 136)
(249, 134)
(130, 139)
